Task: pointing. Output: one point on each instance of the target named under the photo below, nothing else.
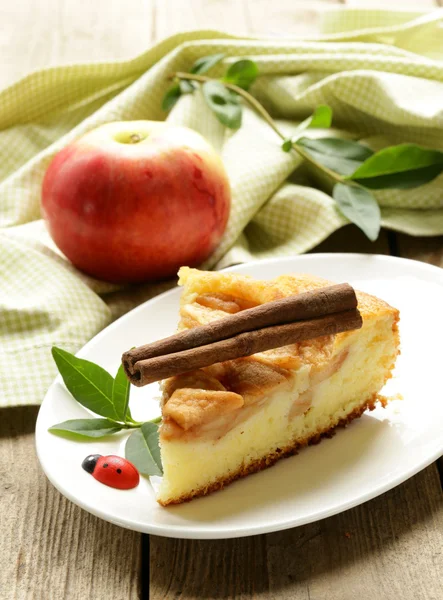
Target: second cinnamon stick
(243, 344)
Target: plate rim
(186, 532)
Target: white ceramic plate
(376, 453)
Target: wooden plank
(429, 250)
(283, 17)
(41, 33)
(208, 569)
(49, 548)
(370, 551)
(351, 239)
(286, 17)
(389, 547)
(222, 15)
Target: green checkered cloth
(381, 73)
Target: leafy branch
(260, 109)
(354, 168)
(96, 389)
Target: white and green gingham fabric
(381, 73)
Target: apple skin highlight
(133, 201)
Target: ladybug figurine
(115, 471)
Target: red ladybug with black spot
(114, 471)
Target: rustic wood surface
(390, 547)
(49, 548)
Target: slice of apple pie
(232, 418)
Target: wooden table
(388, 548)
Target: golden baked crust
(251, 292)
(212, 295)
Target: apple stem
(267, 117)
(134, 137)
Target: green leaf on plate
(90, 384)
(341, 156)
(120, 395)
(223, 103)
(81, 429)
(360, 207)
(143, 450)
(203, 64)
(242, 73)
(171, 97)
(403, 166)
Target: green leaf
(403, 181)
(120, 395)
(225, 105)
(321, 117)
(360, 207)
(187, 87)
(90, 385)
(81, 429)
(242, 73)
(403, 166)
(143, 450)
(171, 97)
(202, 65)
(341, 156)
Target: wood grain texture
(43, 33)
(352, 239)
(389, 547)
(429, 250)
(294, 17)
(49, 548)
(223, 15)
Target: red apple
(133, 201)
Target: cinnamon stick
(244, 344)
(307, 305)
